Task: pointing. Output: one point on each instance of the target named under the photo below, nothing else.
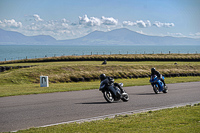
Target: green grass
(25, 81)
(32, 88)
(180, 120)
(60, 72)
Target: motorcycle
(111, 91)
(158, 85)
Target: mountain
(121, 36)
(12, 37)
(127, 37)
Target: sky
(69, 19)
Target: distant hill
(11, 37)
(127, 37)
(121, 36)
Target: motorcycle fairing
(157, 82)
(115, 91)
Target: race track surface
(22, 112)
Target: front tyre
(108, 96)
(165, 90)
(125, 98)
(156, 89)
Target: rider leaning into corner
(154, 72)
(104, 77)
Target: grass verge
(183, 119)
(25, 89)
(60, 72)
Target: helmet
(153, 70)
(102, 77)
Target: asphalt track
(22, 112)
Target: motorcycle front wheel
(125, 98)
(108, 96)
(156, 89)
(165, 90)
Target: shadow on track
(94, 103)
(145, 94)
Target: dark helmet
(102, 77)
(153, 70)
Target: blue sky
(68, 19)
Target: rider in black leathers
(104, 77)
(154, 72)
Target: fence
(94, 53)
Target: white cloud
(159, 24)
(52, 25)
(64, 20)
(145, 24)
(148, 23)
(139, 23)
(129, 23)
(83, 20)
(92, 21)
(195, 35)
(109, 21)
(37, 18)
(10, 24)
(32, 26)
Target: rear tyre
(156, 89)
(108, 96)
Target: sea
(18, 52)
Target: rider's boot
(166, 87)
(123, 92)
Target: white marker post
(44, 81)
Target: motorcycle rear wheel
(108, 96)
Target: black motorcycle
(111, 91)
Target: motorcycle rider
(104, 77)
(154, 72)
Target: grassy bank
(25, 89)
(183, 119)
(82, 75)
(74, 71)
